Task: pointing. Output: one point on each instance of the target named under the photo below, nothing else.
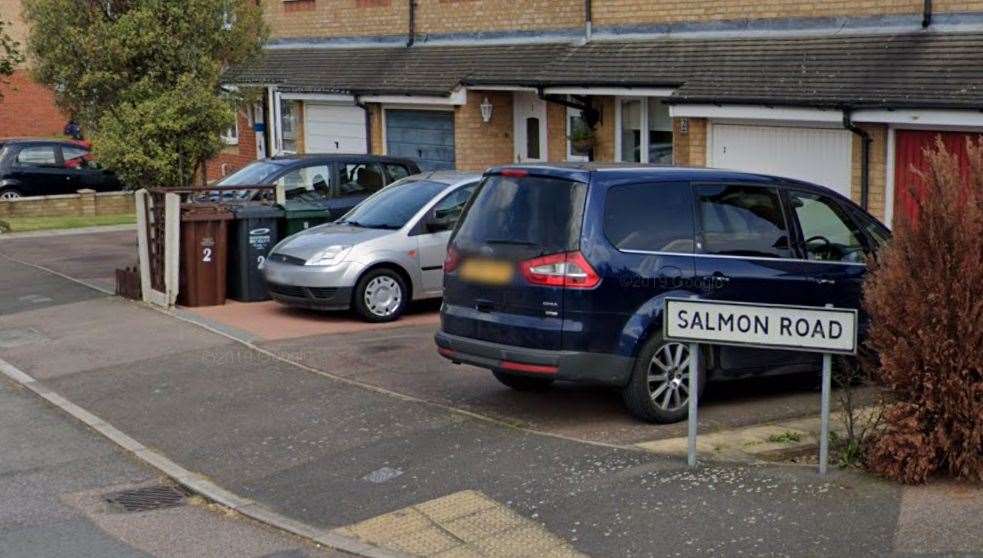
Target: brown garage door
(910, 158)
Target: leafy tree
(142, 77)
(10, 54)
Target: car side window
(650, 217)
(396, 172)
(828, 233)
(741, 220)
(37, 156)
(878, 234)
(361, 179)
(77, 158)
(307, 181)
(448, 210)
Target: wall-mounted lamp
(486, 110)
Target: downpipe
(865, 143)
(368, 123)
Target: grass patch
(785, 438)
(27, 224)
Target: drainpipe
(865, 143)
(368, 123)
(588, 20)
(411, 36)
(927, 14)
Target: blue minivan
(559, 272)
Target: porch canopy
(909, 70)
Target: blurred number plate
(488, 272)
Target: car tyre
(10, 194)
(381, 296)
(519, 382)
(659, 387)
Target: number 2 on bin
(206, 255)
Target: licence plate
(488, 272)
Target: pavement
(366, 433)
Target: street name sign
(797, 328)
(816, 329)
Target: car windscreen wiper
(510, 241)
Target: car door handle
(720, 277)
(825, 281)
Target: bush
(925, 299)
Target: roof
(923, 69)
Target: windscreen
(542, 214)
(393, 206)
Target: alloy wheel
(9, 195)
(383, 296)
(668, 376)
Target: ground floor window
(644, 131)
(288, 126)
(578, 136)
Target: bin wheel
(659, 387)
(380, 296)
(522, 383)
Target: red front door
(910, 158)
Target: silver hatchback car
(386, 251)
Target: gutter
(865, 143)
(368, 122)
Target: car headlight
(330, 255)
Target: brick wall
(375, 121)
(234, 157)
(69, 205)
(689, 148)
(878, 169)
(336, 18)
(605, 130)
(479, 145)
(10, 13)
(27, 109)
(459, 16)
(556, 132)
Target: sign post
(825, 330)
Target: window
(288, 126)
(306, 181)
(396, 172)
(644, 131)
(532, 138)
(827, 231)
(878, 234)
(577, 129)
(40, 156)
(77, 158)
(361, 178)
(231, 134)
(742, 221)
(650, 217)
(448, 210)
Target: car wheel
(519, 382)
(380, 296)
(660, 382)
(9, 194)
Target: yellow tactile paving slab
(463, 524)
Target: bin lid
(198, 211)
(257, 211)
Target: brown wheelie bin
(204, 253)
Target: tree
(143, 77)
(10, 55)
(925, 299)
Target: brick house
(841, 93)
(27, 108)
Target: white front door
(334, 129)
(529, 125)
(819, 155)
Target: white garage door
(816, 155)
(334, 129)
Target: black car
(340, 181)
(40, 167)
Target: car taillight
(515, 173)
(452, 260)
(568, 270)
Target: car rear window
(541, 213)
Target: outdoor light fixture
(486, 110)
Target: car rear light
(569, 270)
(452, 260)
(515, 173)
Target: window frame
(230, 136)
(571, 156)
(644, 130)
(790, 228)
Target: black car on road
(44, 167)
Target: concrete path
(409, 475)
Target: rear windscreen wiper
(509, 241)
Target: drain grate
(147, 498)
